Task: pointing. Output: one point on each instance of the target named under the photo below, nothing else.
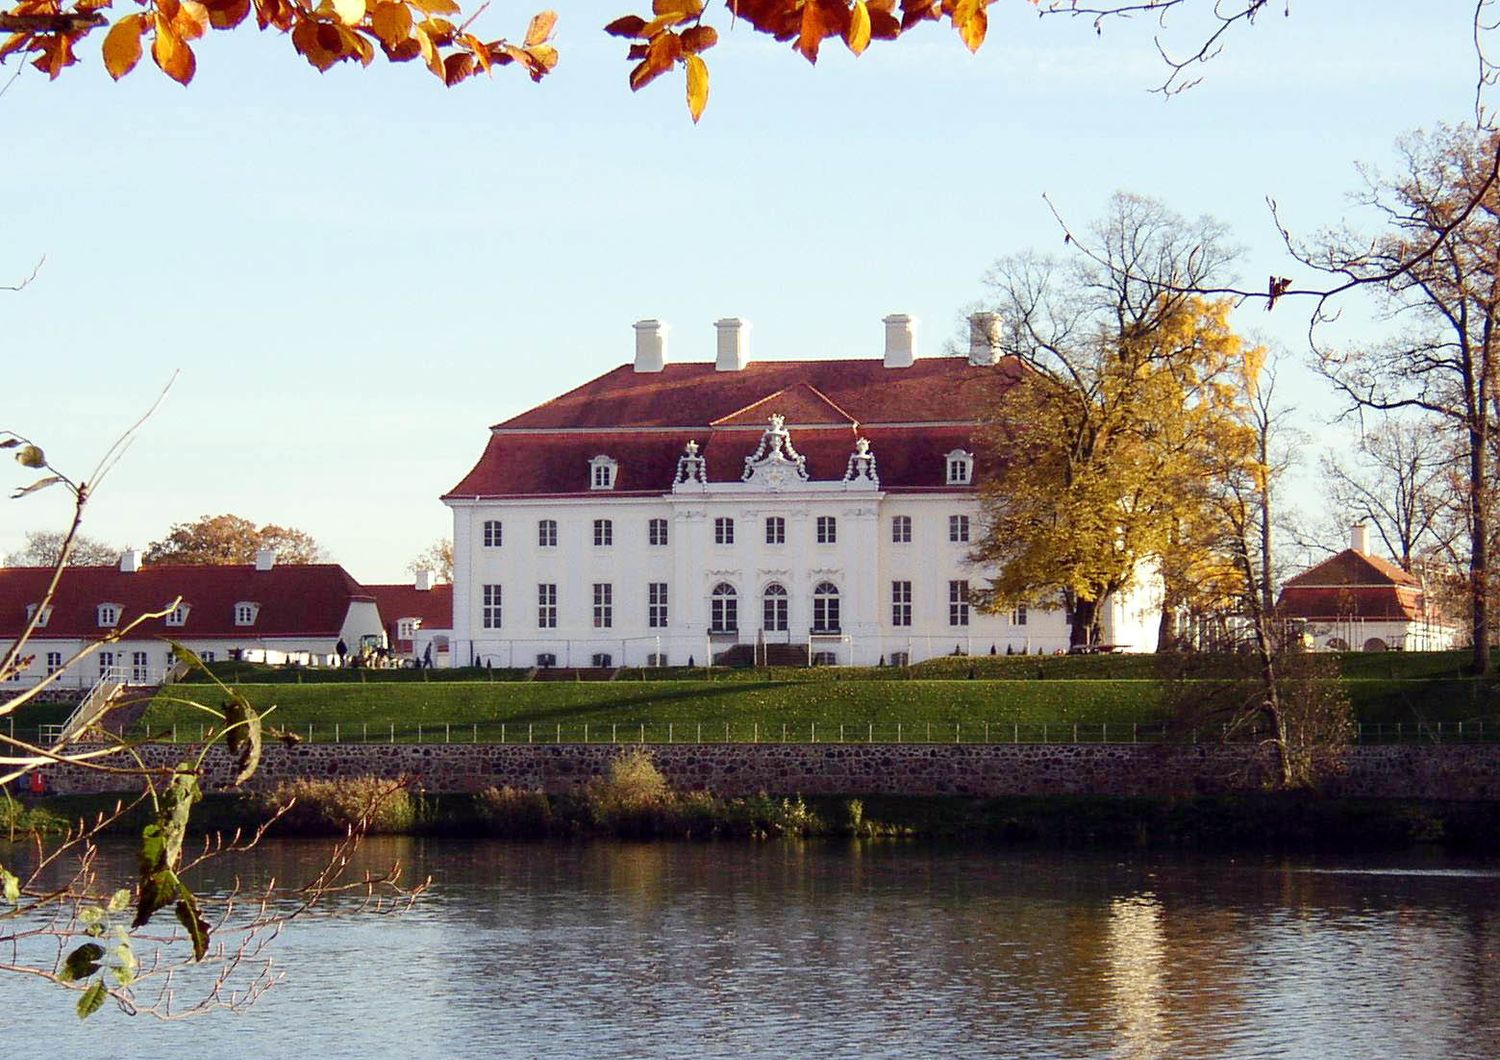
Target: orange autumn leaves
(329, 32)
(325, 33)
(675, 34)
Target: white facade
(897, 564)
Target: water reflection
(864, 949)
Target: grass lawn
(764, 708)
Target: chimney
(424, 581)
(130, 561)
(265, 558)
(984, 338)
(734, 344)
(1359, 537)
(650, 345)
(900, 340)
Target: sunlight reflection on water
(858, 950)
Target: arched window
(723, 609)
(825, 608)
(773, 609)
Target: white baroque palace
(782, 512)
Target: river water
(853, 949)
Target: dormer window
(178, 616)
(245, 612)
(602, 473)
(960, 468)
(109, 616)
(46, 616)
(406, 628)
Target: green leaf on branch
(10, 886)
(242, 735)
(82, 962)
(197, 928)
(120, 901)
(31, 456)
(92, 1000)
(161, 845)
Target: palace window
(490, 616)
(1018, 615)
(775, 530)
(179, 615)
(546, 660)
(602, 473)
(546, 533)
(604, 605)
(109, 615)
(825, 608)
(960, 468)
(723, 609)
(901, 603)
(958, 603)
(773, 609)
(656, 605)
(828, 530)
(245, 612)
(656, 659)
(604, 532)
(723, 531)
(546, 605)
(958, 529)
(656, 532)
(493, 533)
(900, 658)
(901, 529)
(601, 660)
(54, 662)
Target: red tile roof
(433, 606)
(1354, 584)
(933, 389)
(295, 600)
(1350, 567)
(912, 417)
(908, 459)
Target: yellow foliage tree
(1101, 446)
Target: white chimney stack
(265, 558)
(130, 561)
(984, 338)
(1359, 537)
(900, 340)
(734, 344)
(650, 345)
(424, 581)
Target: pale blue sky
(358, 272)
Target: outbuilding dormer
(245, 613)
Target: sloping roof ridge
(565, 394)
(1388, 572)
(799, 385)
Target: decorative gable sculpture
(775, 463)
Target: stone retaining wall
(1405, 771)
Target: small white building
(737, 511)
(261, 612)
(1356, 601)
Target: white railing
(109, 685)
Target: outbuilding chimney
(1359, 538)
(984, 338)
(734, 344)
(424, 581)
(650, 345)
(265, 558)
(900, 340)
(130, 561)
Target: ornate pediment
(775, 464)
(692, 468)
(861, 467)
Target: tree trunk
(1479, 525)
(1084, 630)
